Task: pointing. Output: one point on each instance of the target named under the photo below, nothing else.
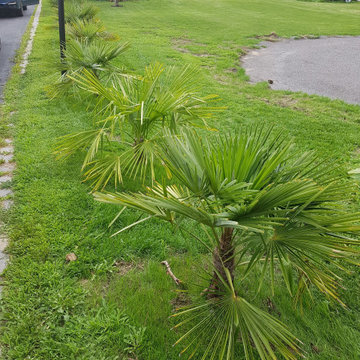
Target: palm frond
(83, 30)
(161, 99)
(90, 140)
(256, 202)
(228, 320)
(92, 55)
(80, 10)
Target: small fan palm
(79, 10)
(261, 205)
(135, 111)
(87, 31)
(95, 56)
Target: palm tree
(79, 10)
(134, 111)
(262, 205)
(87, 31)
(95, 56)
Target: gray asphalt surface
(11, 31)
(325, 66)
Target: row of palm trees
(264, 208)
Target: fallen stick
(171, 274)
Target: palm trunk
(117, 3)
(223, 257)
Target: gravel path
(325, 66)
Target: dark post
(117, 3)
(62, 31)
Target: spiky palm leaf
(142, 106)
(226, 321)
(86, 31)
(81, 10)
(266, 207)
(95, 56)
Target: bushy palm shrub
(79, 10)
(94, 56)
(134, 111)
(262, 206)
(87, 31)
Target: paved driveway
(11, 31)
(325, 66)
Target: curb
(27, 52)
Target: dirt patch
(356, 152)
(182, 50)
(222, 79)
(271, 307)
(207, 67)
(84, 282)
(182, 299)
(303, 37)
(184, 42)
(272, 37)
(181, 45)
(285, 102)
(232, 70)
(314, 348)
(123, 267)
(202, 55)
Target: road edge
(35, 22)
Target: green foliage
(220, 322)
(54, 3)
(288, 214)
(161, 99)
(95, 56)
(87, 31)
(54, 214)
(86, 48)
(70, 329)
(79, 10)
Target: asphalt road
(325, 66)
(11, 31)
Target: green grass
(87, 309)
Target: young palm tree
(134, 112)
(261, 205)
(79, 10)
(87, 31)
(95, 56)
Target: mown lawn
(92, 307)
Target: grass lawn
(115, 300)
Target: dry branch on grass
(170, 273)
